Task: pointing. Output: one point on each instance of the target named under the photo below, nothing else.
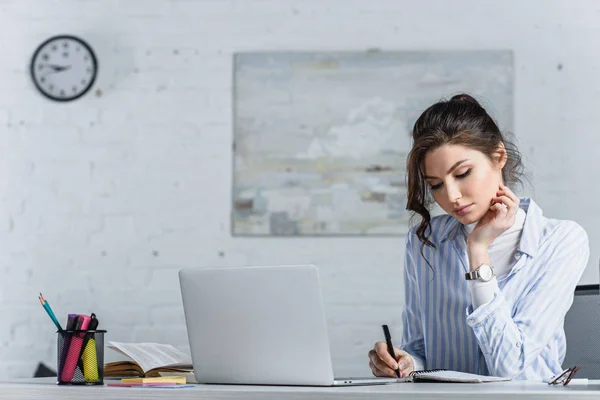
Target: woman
(487, 285)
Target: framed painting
(321, 138)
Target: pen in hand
(390, 347)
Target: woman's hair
(458, 121)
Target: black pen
(388, 341)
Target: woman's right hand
(383, 364)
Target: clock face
(64, 68)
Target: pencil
(48, 309)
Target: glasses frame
(565, 377)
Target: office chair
(582, 329)
(43, 371)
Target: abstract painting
(321, 138)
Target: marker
(74, 349)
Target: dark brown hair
(458, 121)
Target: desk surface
(45, 389)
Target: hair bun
(465, 98)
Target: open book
(442, 375)
(147, 360)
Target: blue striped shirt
(518, 334)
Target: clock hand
(58, 68)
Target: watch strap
(476, 275)
(472, 275)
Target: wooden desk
(44, 389)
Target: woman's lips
(462, 211)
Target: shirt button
(518, 255)
(518, 344)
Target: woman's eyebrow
(450, 170)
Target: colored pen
(390, 347)
(46, 306)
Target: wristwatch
(484, 273)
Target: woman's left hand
(497, 220)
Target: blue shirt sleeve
(513, 341)
(412, 334)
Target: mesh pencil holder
(80, 357)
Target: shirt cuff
(476, 317)
(484, 318)
(482, 292)
(419, 365)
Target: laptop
(260, 326)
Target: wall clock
(63, 68)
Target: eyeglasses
(564, 377)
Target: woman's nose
(454, 193)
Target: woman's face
(463, 181)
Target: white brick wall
(105, 198)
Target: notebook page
(455, 376)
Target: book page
(153, 355)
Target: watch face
(485, 272)
(63, 68)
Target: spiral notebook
(444, 375)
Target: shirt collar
(532, 228)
